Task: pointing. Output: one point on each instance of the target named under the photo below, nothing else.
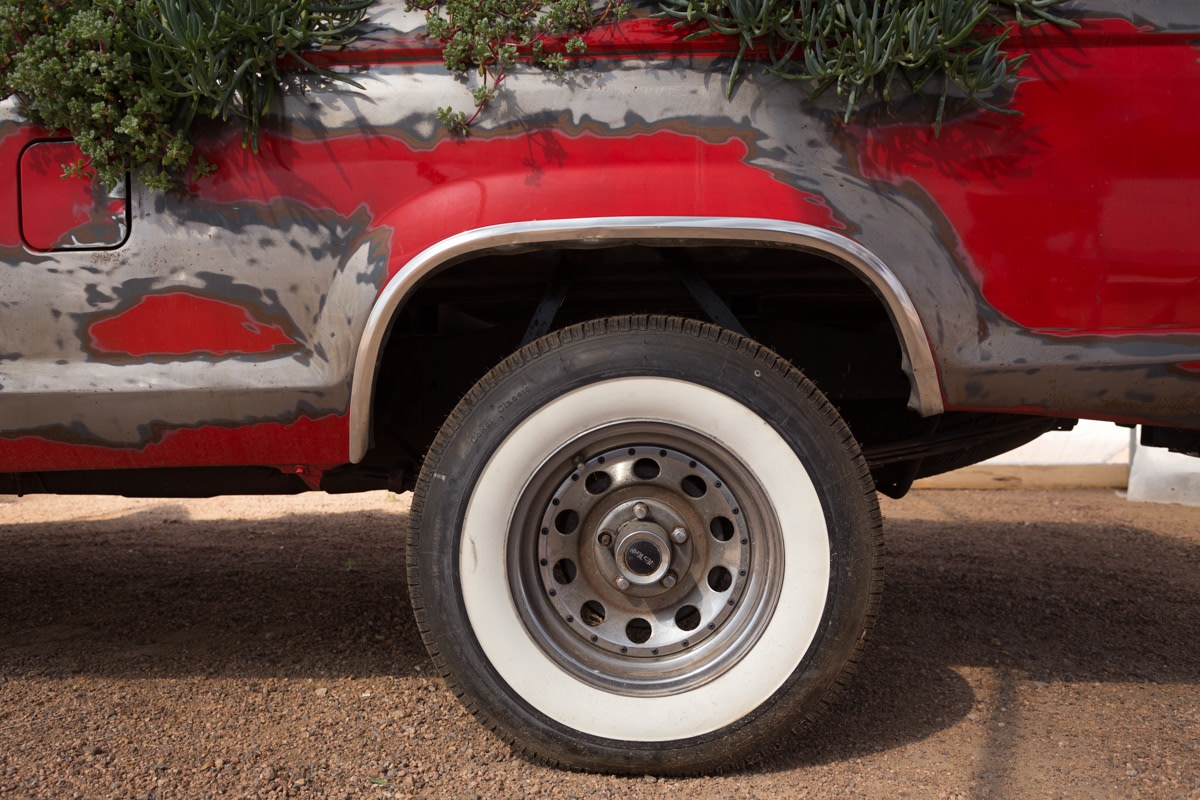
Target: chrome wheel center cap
(643, 552)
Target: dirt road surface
(1031, 645)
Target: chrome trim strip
(926, 396)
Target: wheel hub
(643, 553)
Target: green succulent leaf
(128, 78)
(863, 48)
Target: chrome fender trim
(925, 397)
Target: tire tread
(547, 346)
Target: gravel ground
(1031, 645)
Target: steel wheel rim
(701, 606)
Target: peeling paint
(318, 442)
(1072, 224)
(182, 323)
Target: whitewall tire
(645, 544)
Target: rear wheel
(645, 544)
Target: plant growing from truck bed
(859, 48)
(490, 35)
(128, 78)
(864, 48)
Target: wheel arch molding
(925, 395)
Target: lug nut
(679, 536)
(622, 584)
(640, 511)
(669, 580)
(605, 539)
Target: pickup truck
(644, 353)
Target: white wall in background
(1090, 442)
(1159, 476)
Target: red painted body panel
(425, 196)
(51, 206)
(317, 442)
(1073, 221)
(1078, 217)
(343, 174)
(13, 139)
(180, 323)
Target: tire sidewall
(661, 348)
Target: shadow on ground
(155, 594)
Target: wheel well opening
(464, 320)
